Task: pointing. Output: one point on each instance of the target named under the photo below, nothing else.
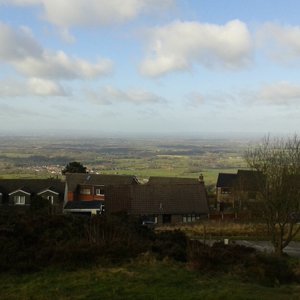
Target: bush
(270, 270)
(218, 257)
(30, 242)
(242, 261)
(171, 244)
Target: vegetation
(73, 257)
(219, 229)
(277, 166)
(74, 167)
(141, 279)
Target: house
(247, 185)
(225, 190)
(234, 191)
(85, 193)
(21, 192)
(174, 180)
(162, 201)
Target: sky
(149, 66)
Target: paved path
(293, 249)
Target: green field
(156, 280)
(178, 157)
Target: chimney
(201, 178)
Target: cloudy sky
(149, 66)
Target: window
(190, 218)
(19, 200)
(225, 191)
(51, 199)
(99, 191)
(85, 191)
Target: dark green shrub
(218, 257)
(172, 244)
(269, 270)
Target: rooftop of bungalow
(30, 186)
(75, 179)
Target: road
(293, 249)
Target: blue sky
(149, 66)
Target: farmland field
(186, 157)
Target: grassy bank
(151, 280)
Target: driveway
(293, 249)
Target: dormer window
(19, 200)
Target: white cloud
(68, 13)
(281, 42)
(180, 45)
(42, 87)
(23, 52)
(110, 95)
(17, 44)
(20, 2)
(30, 87)
(283, 93)
(60, 65)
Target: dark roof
(226, 180)
(158, 199)
(172, 180)
(31, 185)
(95, 204)
(249, 180)
(75, 179)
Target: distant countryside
(32, 157)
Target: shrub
(29, 242)
(218, 257)
(269, 270)
(242, 261)
(172, 244)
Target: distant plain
(31, 157)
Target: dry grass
(220, 229)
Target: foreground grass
(154, 280)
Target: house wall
(70, 196)
(176, 219)
(225, 195)
(77, 195)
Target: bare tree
(277, 163)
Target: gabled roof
(172, 180)
(20, 190)
(49, 189)
(84, 205)
(8, 186)
(157, 199)
(75, 179)
(226, 180)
